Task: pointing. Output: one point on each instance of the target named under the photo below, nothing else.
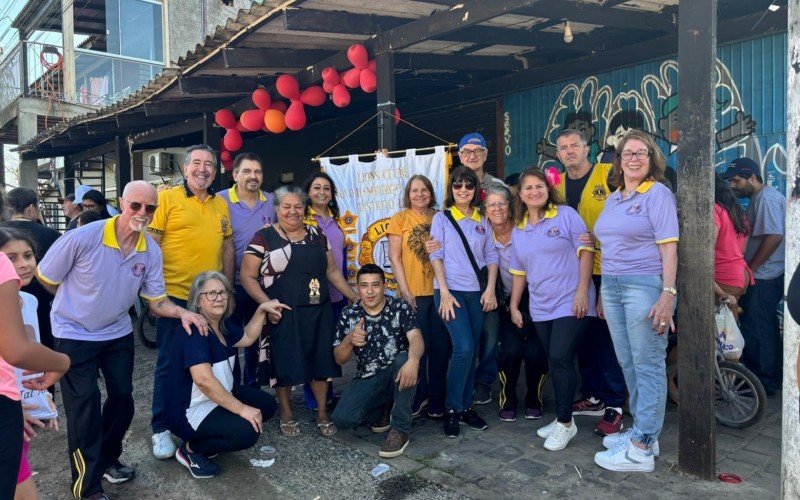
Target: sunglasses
(467, 185)
(136, 206)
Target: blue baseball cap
(743, 167)
(473, 138)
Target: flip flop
(327, 428)
(290, 428)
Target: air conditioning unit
(160, 163)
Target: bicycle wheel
(740, 399)
(146, 328)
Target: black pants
(518, 345)
(222, 431)
(245, 309)
(10, 445)
(433, 365)
(94, 436)
(560, 338)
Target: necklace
(286, 233)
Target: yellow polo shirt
(192, 232)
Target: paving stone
(529, 467)
(763, 445)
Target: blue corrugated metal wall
(751, 109)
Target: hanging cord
(445, 141)
(316, 158)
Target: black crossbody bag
(481, 273)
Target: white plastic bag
(729, 338)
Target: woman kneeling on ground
(204, 408)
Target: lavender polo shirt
(631, 229)
(246, 221)
(457, 268)
(96, 284)
(330, 228)
(548, 255)
(504, 255)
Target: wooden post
(790, 456)
(23, 63)
(68, 36)
(123, 162)
(697, 38)
(2, 164)
(387, 132)
(211, 138)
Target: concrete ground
(505, 461)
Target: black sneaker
(384, 421)
(435, 410)
(451, 428)
(471, 418)
(97, 496)
(482, 395)
(418, 407)
(119, 473)
(198, 464)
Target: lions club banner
(369, 193)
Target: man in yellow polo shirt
(584, 187)
(192, 225)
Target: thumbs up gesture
(359, 335)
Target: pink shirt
(729, 264)
(8, 379)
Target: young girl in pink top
(18, 350)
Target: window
(134, 29)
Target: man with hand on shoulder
(383, 334)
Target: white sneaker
(558, 439)
(626, 459)
(544, 432)
(163, 445)
(613, 440)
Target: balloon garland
(275, 116)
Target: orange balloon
(274, 121)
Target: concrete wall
(790, 474)
(189, 22)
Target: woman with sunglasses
(457, 290)
(203, 407)
(638, 231)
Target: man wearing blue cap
(472, 153)
(764, 255)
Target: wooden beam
(697, 42)
(193, 125)
(123, 171)
(407, 60)
(230, 85)
(272, 57)
(339, 21)
(387, 132)
(186, 106)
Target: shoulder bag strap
(464, 241)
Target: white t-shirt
(45, 408)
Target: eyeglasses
(136, 206)
(90, 206)
(471, 152)
(497, 205)
(466, 185)
(213, 295)
(642, 154)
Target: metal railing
(10, 76)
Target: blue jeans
(465, 334)
(601, 375)
(763, 351)
(363, 399)
(641, 352)
(486, 371)
(165, 331)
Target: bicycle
(145, 325)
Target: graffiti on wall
(604, 116)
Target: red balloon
(240, 127)
(341, 97)
(225, 156)
(228, 165)
(279, 105)
(225, 118)
(274, 121)
(368, 80)
(252, 120)
(330, 75)
(233, 140)
(287, 86)
(262, 99)
(352, 78)
(396, 116)
(357, 55)
(373, 66)
(313, 96)
(328, 86)
(295, 116)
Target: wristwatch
(670, 289)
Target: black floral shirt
(386, 334)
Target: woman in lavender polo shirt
(549, 258)
(457, 292)
(638, 232)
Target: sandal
(290, 428)
(327, 428)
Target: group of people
(543, 268)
